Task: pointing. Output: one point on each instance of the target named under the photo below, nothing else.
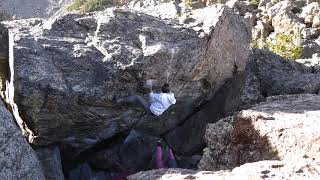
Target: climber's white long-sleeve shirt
(161, 102)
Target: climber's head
(165, 88)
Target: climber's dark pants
(136, 99)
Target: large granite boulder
(17, 158)
(281, 76)
(258, 171)
(170, 174)
(283, 128)
(67, 70)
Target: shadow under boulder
(50, 161)
(135, 153)
(237, 93)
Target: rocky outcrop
(280, 76)
(32, 8)
(17, 158)
(50, 161)
(174, 174)
(282, 128)
(68, 69)
(258, 170)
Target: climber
(158, 102)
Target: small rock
(309, 48)
(242, 6)
(316, 22)
(310, 33)
(309, 20)
(263, 3)
(251, 17)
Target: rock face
(258, 170)
(280, 76)
(32, 8)
(68, 69)
(282, 128)
(171, 174)
(17, 158)
(4, 49)
(50, 161)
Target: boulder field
(240, 113)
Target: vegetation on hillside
(255, 2)
(285, 45)
(93, 5)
